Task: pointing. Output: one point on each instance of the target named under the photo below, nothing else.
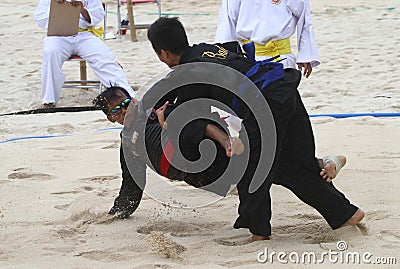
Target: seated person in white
(57, 49)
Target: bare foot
(355, 219)
(237, 146)
(259, 237)
(47, 105)
(332, 166)
(234, 147)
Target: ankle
(259, 237)
(355, 219)
(47, 105)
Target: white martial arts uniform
(263, 21)
(57, 49)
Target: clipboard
(63, 19)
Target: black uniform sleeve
(130, 193)
(159, 93)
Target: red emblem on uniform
(276, 2)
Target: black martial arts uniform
(156, 155)
(294, 166)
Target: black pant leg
(213, 178)
(299, 172)
(255, 208)
(321, 195)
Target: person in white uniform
(270, 24)
(57, 49)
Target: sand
(55, 192)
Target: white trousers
(57, 49)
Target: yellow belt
(272, 48)
(96, 31)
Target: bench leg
(83, 71)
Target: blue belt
(274, 73)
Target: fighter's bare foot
(355, 219)
(332, 166)
(234, 147)
(259, 237)
(237, 146)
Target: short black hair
(109, 94)
(168, 34)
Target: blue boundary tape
(55, 136)
(349, 115)
(338, 116)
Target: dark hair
(109, 94)
(168, 34)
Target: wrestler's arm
(93, 13)
(227, 20)
(130, 193)
(307, 56)
(42, 14)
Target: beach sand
(55, 192)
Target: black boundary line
(53, 110)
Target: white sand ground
(55, 192)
